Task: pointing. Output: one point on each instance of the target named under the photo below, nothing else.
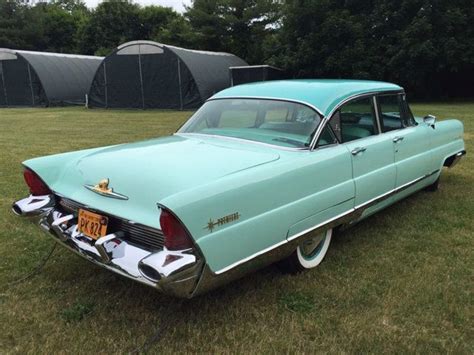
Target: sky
(175, 4)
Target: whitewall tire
(309, 254)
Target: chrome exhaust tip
(16, 209)
(33, 205)
(165, 263)
(149, 272)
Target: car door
(410, 141)
(373, 168)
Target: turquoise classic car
(261, 173)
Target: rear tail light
(36, 185)
(176, 236)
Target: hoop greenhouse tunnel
(44, 79)
(146, 74)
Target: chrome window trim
(377, 115)
(347, 99)
(270, 98)
(355, 211)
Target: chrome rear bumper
(172, 272)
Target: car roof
(323, 94)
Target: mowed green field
(400, 281)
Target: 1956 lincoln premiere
(261, 173)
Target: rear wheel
(309, 254)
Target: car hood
(146, 172)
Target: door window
(354, 120)
(406, 112)
(390, 113)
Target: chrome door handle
(358, 150)
(397, 139)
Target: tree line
(427, 46)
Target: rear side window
(354, 120)
(391, 116)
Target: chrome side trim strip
(237, 263)
(353, 212)
(320, 225)
(395, 190)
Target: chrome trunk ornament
(102, 188)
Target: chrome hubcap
(311, 246)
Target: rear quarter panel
(287, 196)
(446, 139)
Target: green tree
(61, 21)
(70, 6)
(237, 26)
(424, 45)
(177, 32)
(44, 26)
(19, 27)
(110, 24)
(153, 19)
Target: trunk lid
(147, 172)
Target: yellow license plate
(91, 224)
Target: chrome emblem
(211, 225)
(102, 188)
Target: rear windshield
(282, 123)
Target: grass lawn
(400, 281)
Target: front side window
(354, 120)
(282, 123)
(391, 117)
(406, 111)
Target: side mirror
(430, 120)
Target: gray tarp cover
(145, 74)
(51, 78)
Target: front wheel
(309, 254)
